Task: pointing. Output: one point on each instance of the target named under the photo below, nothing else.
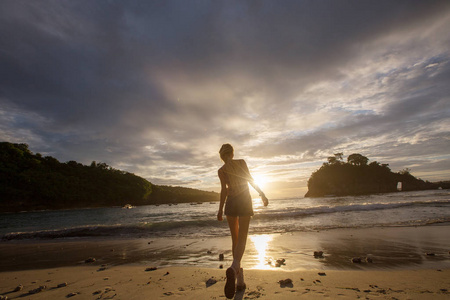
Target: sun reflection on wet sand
(261, 242)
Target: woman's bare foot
(240, 284)
(230, 285)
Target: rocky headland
(358, 177)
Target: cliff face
(342, 179)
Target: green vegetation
(176, 194)
(357, 177)
(30, 182)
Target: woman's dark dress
(236, 176)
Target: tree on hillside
(336, 159)
(405, 171)
(357, 159)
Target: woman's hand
(265, 200)
(219, 215)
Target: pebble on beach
(18, 288)
(210, 282)
(280, 262)
(318, 254)
(151, 269)
(90, 260)
(356, 260)
(286, 283)
(38, 290)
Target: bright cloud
(155, 88)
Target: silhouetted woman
(235, 195)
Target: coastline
(387, 247)
(403, 266)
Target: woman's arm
(254, 185)
(223, 196)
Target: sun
(260, 180)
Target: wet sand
(400, 263)
(388, 248)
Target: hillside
(357, 177)
(176, 194)
(32, 182)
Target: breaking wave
(201, 221)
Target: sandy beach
(134, 282)
(396, 263)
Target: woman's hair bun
(225, 150)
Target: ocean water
(197, 221)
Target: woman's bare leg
(230, 284)
(240, 280)
(233, 223)
(239, 231)
(239, 249)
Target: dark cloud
(155, 87)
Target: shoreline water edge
(381, 248)
(386, 246)
(396, 263)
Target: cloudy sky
(156, 87)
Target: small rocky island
(358, 177)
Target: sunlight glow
(260, 180)
(261, 243)
(258, 205)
